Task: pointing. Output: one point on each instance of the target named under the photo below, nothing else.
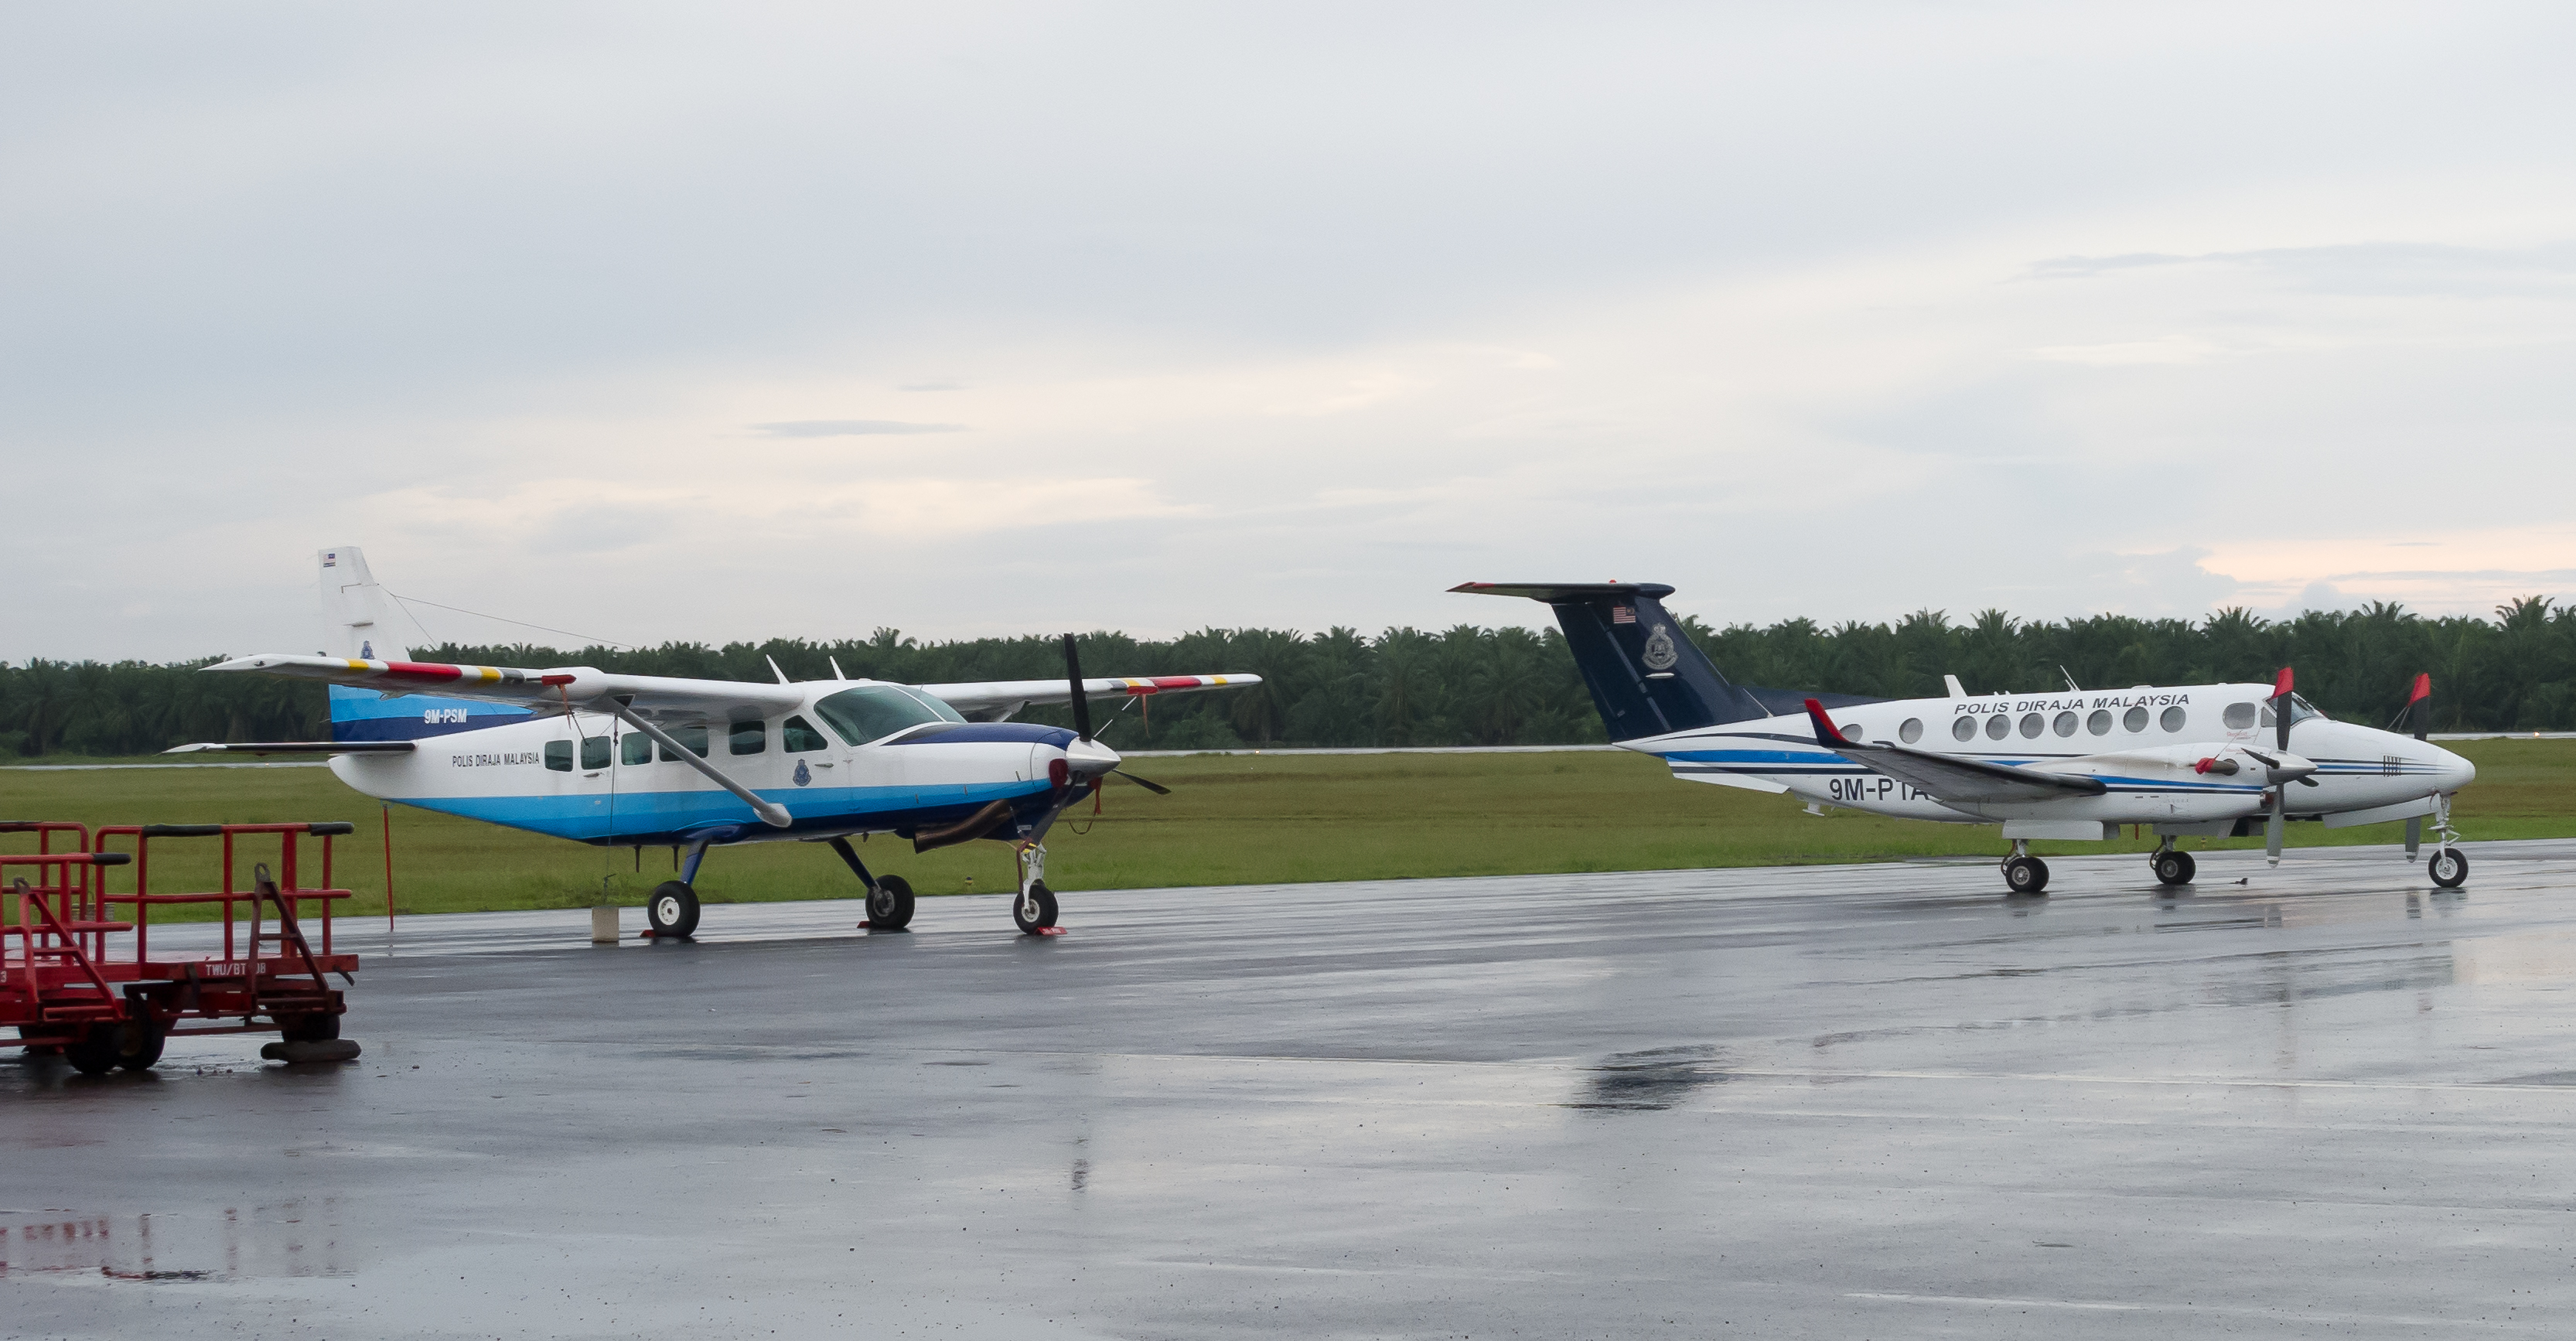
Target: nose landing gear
(1034, 911)
(2449, 866)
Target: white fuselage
(2145, 745)
(588, 777)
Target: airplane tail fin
(359, 621)
(1646, 676)
(358, 618)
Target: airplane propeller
(2278, 776)
(1082, 714)
(2418, 713)
(1081, 700)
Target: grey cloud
(849, 428)
(2375, 268)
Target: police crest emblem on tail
(1659, 649)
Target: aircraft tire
(2175, 868)
(1039, 900)
(673, 910)
(2448, 867)
(2026, 875)
(92, 1051)
(890, 904)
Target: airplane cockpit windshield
(2300, 711)
(876, 711)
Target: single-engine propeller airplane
(656, 761)
(2190, 760)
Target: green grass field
(1232, 819)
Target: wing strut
(771, 813)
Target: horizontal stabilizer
(1562, 591)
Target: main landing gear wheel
(2175, 868)
(890, 904)
(2448, 867)
(1034, 910)
(2026, 875)
(673, 910)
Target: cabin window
(798, 736)
(2064, 725)
(559, 755)
(2032, 724)
(1998, 727)
(2239, 716)
(750, 737)
(2135, 719)
(594, 752)
(1851, 731)
(692, 737)
(1964, 728)
(1912, 731)
(876, 711)
(635, 748)
(2174, 718)
(2099, 723)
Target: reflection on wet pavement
(291, 1238)
(1824, 1101)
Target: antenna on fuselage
(1957, 690)
(2071, 686)
(774, 670)
(836, 668)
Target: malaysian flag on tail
(1623, 614)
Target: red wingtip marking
(2423, 689)
(2281, 686)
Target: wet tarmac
(1878, 1101)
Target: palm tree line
(1465, 685)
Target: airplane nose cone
(1089, 758)
(2456, 771)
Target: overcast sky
(713, 322)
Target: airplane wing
(989, 695)
(543, 692)
(1946, 777)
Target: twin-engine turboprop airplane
(654, 761)
(2193, 760)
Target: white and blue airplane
(657, 761)
(2207, 760)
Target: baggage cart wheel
(890, 904)
(139, 1041)
(1034, 911)
(673, 910)
(93, 1050)
(318, 1026)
